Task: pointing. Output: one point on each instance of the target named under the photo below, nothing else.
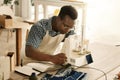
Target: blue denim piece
(74, 75)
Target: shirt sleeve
(36, 34)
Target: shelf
(58, 3)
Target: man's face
(65, 25)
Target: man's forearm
(37, 55)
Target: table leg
(18, 45)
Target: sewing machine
(76, 51)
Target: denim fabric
(74, 75)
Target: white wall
(1, 1)
(26, 9)
(103, 20)
(18, 9)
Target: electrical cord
(77, 67)
(94, 69)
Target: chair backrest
(4, 9)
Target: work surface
(106, 58)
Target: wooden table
(106, 58)
(18, 25)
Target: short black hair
(68, 10)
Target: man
(46, 34)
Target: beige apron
(48, 45)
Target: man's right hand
(59, 59)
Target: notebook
(43, 67)
(37, 68)
(26, 70)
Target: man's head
(67, 16)
(68, 10)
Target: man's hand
(59, 58)
(118, 76)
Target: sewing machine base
(80, 60)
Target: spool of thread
(33, 77)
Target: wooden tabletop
(106, 59)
